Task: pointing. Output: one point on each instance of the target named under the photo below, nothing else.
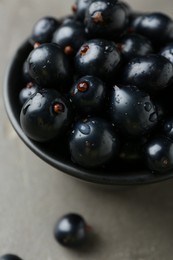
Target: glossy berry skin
(70, 36)
(132, 111)
(79, 9)
(46, 115)
(158, 154)
(127, 8)
(134, 45)
(43, 30)
(157, 27)
(71, 230)
(151, 73)
(10, 257)
(167, 52)
(27, 92)
(93, 142)
(25, 73)
(105, 18)
(134, 18)
(88, 95)
(98, 57)
(168, 127)
(66, 19)
(49, 66)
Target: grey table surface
(128, 224)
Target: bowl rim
(123, 179)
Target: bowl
(60, 159)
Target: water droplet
(147, 106)
(87, 143)
(108, 48)
(85, 129)
(153, 117)
(168, 128)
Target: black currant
(70, 36)
(105, 18)
(151, 72)
(88, 95)
(49, 66)
(98, 57)
(71, 230)
(134, 45)
(43, 30)
(132, 111)
(157, 27)
(93, 142)
(46, 115)
(158, 154)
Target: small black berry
(71, 230)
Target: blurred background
(128, 224)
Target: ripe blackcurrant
(71, 230)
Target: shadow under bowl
(61, 161)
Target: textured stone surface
(129, 224)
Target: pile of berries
(101, 79)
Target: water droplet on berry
(147, 106)
(168, 128)
(108, 49)
(87, 143)
(84, 129)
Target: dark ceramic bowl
(59, 158)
